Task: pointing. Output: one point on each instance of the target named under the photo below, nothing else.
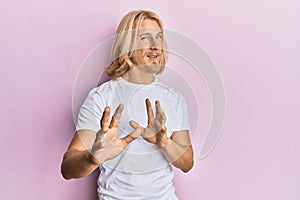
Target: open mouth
(152, 56)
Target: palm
(107, 144)
(155, 132)
(150, 133)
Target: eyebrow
(150, 33)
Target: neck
(138, 77)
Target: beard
(144, 61)
(153, 67)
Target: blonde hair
(125, 40)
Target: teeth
(152, 56)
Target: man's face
(148, 51)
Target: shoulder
(100, 92)
(170, 92)
(105, 87)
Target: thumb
(131, 136)
(134, 124)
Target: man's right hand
(107, 144)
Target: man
(135, 148)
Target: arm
(177, 149)
(89, 149)
(77, 161)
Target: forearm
(181, 156)
(77, 164)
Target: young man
(135, 148)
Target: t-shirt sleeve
(90, 112)
(184, 115)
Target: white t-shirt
(141, 171)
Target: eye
(145, 38)
(158, 37)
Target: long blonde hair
(125, 40)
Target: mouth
(152, 56)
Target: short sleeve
(90, 112)
(184, 115)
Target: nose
(154, 44)
(153, 48)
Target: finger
(149, 112)
(104, 119)
(117, 116)
(132, 136)
(157, 109)
(134, 124)
(160, 113)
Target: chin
(154, 67)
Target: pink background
(254, 45)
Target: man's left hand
(155, 132)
